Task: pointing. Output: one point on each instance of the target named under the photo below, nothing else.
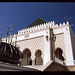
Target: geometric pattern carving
(32, 44)
(59, 42)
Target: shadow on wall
(55, 52)
(38, 60)
(26, 57)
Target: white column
(33, 59)
(47, 50)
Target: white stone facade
(40, 38)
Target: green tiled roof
(37, 22)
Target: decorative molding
(40, 27)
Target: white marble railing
(59, 61)
(64, 62)
(69, 62)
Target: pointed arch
(58, 53)
(26, 57)
(38, 59)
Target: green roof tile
(37, 22)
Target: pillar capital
(33, 57)
(42, 56)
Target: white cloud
(68, 17)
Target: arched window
(58, 54)
(26, 57)
(38, 59)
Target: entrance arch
(58, 54)
(38, 59)
(26, 57)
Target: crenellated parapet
(51, 24)
(41, 26)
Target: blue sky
(22, 14)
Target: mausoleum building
(43, 42)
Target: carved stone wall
(59, 43)
(33, 44)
